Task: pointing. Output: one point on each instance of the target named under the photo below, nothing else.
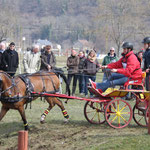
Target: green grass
(78, 134)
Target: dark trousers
(81, 79)
(147, 81)
(75, 77)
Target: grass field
(78, 134)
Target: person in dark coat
(48, 59)
(139, 56)
(72, 64)
(10, 59)
(146, 60)
(2, 49)
(91, 67)
(81, 76)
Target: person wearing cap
(48, 59)
(2, 49)
(125, 69)
(10, 59)
(111, 57)
(32, 60)
(146, 60)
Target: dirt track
(78, 134)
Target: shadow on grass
(10, 129)
(87, 124)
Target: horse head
(5, 83)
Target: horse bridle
(12, 83)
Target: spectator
(72, 64)
(2, 49)
(10, 59)
(128, 67)
(91, 67)
(43, 49)
(146, 57)
(28, 49)
(31, 60)
(139, 56)
(81, 76)
(111, 57)
(48, 59)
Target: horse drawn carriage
(107, 107)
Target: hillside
(65, 21)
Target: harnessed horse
(14, 92)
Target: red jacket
(133, 69)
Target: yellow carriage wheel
(118, 113)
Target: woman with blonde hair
(91, 67)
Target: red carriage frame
(111, 108)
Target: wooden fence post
(23, 140)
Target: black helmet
(146, 40)
(127, 45)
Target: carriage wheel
(139, 116)
(118, 113)
(146, 116)
(94, 112)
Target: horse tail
(59, 71)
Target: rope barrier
(66, 73)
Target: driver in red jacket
(126, 68)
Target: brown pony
(14, 92)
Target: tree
(120, 20)
(8, 23)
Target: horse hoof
(66, 120)
(42, 122)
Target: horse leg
(3, 112)
(23, 116)
(51, 105)
(52, 102)
(60, 104)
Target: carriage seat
(136, 84)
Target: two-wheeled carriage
(107, 107)
(110, 107)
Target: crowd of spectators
(80, 68)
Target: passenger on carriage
(125, 69)
(146, 58)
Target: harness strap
(44, 88)
(53, 83)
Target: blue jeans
(113, 80)
(81, 78)
(87, 77)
